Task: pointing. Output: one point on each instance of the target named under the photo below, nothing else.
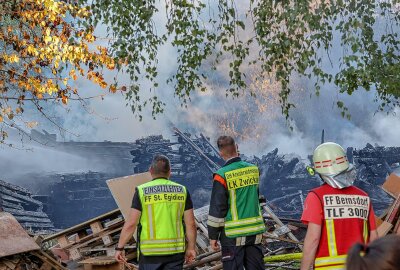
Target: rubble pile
(91, 244)
(86, 195)
(284, 182)
(27, 210)
(284, 179)
(18, 250)
(193, 160)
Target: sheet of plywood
(384, 228)
(13, 238)
(392, 185)
(123, 188)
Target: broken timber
(19, 251)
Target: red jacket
(345, 222)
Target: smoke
(34, 158)
(256, 123)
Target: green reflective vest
(244, 213)
(163, 205)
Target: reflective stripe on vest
(162, 217)
(232, 196)
(162, 246)
(333, 267)
(240, 231)
(178, 222)
(150, 221)
(365, 232)
(245, 221)
(160, 241)
(157, 250)
(330, 229)
(332, 261)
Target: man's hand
(190, 255)
(127, 231)
(120, 256)
(214, 245)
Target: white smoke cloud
(39, 159)
(112, 120)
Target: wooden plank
(88, 267)
(45, 266)
(384, 228)
(397, 226)
(13, 238)
(105, 260)
(96, 227)
(202, 228)
(392, 185)
(9, 264)
(394, 211)
(74, 254)
(213, 257)
(107, 240)
(62, 241)
(201, 243)
(267, 235)
(110, 252)
(3, 266)
(280, 223)
(102, 248)
(91, 236)
(112, 222)
(48, 260)
(76, 248)
(80, 226)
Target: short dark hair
(161, 165)
(224, 141)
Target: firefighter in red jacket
(338, 214)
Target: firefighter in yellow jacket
(160, 209)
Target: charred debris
(85, 235)
(284, 180)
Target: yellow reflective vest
(163, 205)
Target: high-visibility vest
(244, 214)
(345, 222)
(161, 220)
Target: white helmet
(330, 162)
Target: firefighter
(338, 214)
(161, 208)
(235, 216)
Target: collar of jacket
(231, 160)
(159, 178)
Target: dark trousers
(243, 257)
(172, 265)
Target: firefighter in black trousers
(235, 216)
